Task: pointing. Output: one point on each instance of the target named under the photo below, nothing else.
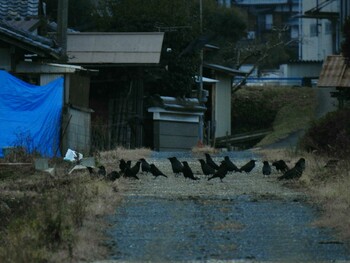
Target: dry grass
(113, 156)
(90, 238)
(328, 188)
(54, 219)
(200, 150)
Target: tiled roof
(17, 9)
(31, 42)
(18, 20)
(20, 14)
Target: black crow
(91, 170)
(206, 168)
(280, 166)
(102, 170)
(176, 165)
(156, 172)
(129, 173)
(136, 168)
(221, 172)
(187, 171)
(112, 176)
(231, 167)
(266, 169)
(294, 173)
(145, 166)
(248, 167)
(122, 165)
(210, 161)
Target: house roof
(18, 19)
(114, 48)
(20, 14)
(334, 73)
(14, 9)
(224, 69)
(27, 41)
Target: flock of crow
(209, 168)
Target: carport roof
(334, 73)
(114, 48)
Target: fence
(264, 81)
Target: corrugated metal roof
(118, 48)
(334, 73)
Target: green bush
(252, 111)
(329, 135)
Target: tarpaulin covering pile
(30, 115)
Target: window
(268, 21)
(313, 30)
(328, 28)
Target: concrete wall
(301, 70)
(76, 123)
(77, 133)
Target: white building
(320, 29)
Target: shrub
(329, 135)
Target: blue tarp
(30, 115)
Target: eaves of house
(18, 20)
(25, 40)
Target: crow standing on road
(280, 166)
(206, 168)
(136, 168)
(112, 176)
(210, 161)
(294, 173)
(122, 165)
(176, 165)
(102, 170)
(130, 173)
(231, 167)
(220, 173)
(145, 166)
(187, 171)
(156, 172)
(248, 167)
(266, 169)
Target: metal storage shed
(175, 123)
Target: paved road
(246, 217)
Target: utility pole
(62, 25)
(200, 87)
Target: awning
(206, 80)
